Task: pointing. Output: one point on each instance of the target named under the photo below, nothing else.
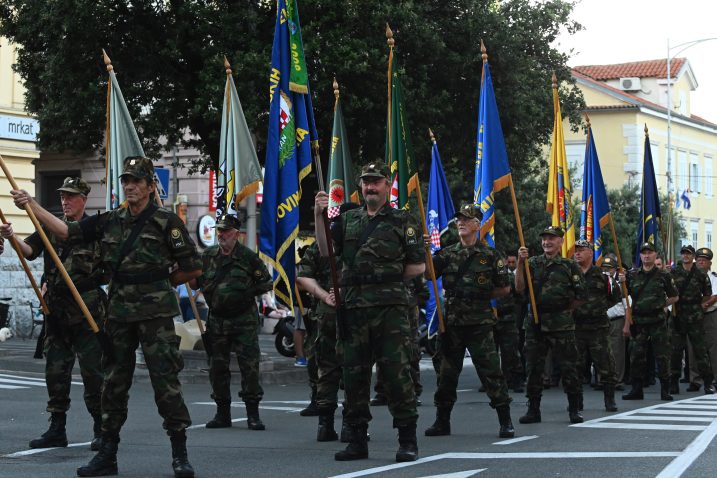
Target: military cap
(609, 262)
(704, 252)
(584, 243)
(138, 167)
(75, 186)
(688, 248)
(469, 211)
(376, 169)
(552, 231)
(649, 246)
(227, 221)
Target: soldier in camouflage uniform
(559, 288)
(694, 288)
(67, 334)
(380, 247)
(233, 276)
(142, 305)
(592, 326)
(473, 274)
(507, 338)
(652, 290)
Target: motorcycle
(284, 341)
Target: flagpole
(108, 64)
(623, 286)
(391, 42)
(26, 268)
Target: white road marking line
(204, 425)
(459, 474)
(663, 418)
(11, 387)
(515, 440)
(690, 406)
(511, 456)
(22, 382)
(693, 451)
(646, 426)
(40, 382)
(683, 412)
(263, 407)
(4, 375)
(34, 451)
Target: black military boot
(609, 395)
(55, 435)
(665, 391)
(253, 421)
(407, 443)
(533, 414)
(709, 388)
(574, 408)
(357, 448)
(635, 392)
(345, 432)
(104, 463)
(580, 402)
(97, 431)
(675, 385)
(180, 462)
(379, 400)
(223, 417)
(506, 424)
(442, 425)
(326, 430)
(313, 409)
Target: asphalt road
(644, 439)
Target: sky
(619, 31)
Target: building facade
(621, 100)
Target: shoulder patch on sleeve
(177, 238)
(411, 236)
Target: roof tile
(640, 69)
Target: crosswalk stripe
(10, 387)
(22, 382)
(645, 426)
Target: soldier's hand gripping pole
(26, 268)
(104, 341)
(340, 317)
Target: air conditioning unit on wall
(630, 84)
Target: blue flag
(292, 132)
(686, 203)
(649, 227)
(492, 169)
(440, 211)
(596, 210)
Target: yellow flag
(559, 188)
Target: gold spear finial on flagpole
(587, 119)
(108, 62)
(433, 138)
(336, 88)
(483, 52)
(389, 36)
(555, 81)
(646, 131)
(227, 66)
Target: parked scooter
(284, 341)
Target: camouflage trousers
(658, 334)
(61, 348)
(160, 346)
(507, 340)
(413, 316)
(479, 341)
(564, 352)
(597, 342)
(328, 360)
(245, 345)
(691, 326)
(381, 335)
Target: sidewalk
(16, 356)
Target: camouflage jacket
(507, 305)
(649, 292)
(140, 290)
(557, 282)
(83, 265)
(602, 293)
(468, 296)
(372, 272)
(230, 284)
(692, 286)
(316, 267)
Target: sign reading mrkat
(18, 128)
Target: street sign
(161, 179)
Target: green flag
(239, 173)
(342, 187)
(399, 153)
(121, 140)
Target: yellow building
(621, 99)
(18, 132)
